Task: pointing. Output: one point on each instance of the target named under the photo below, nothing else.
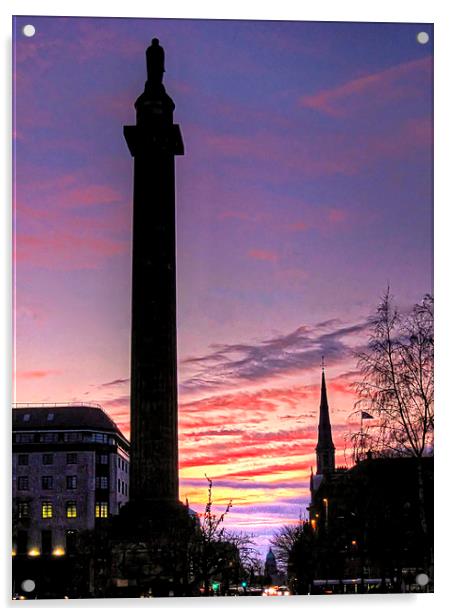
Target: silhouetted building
(325, 450)
(271, 568)
(367, 524)
(365, 532)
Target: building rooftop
(59, 417)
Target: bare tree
(221, 552)
(283, 542)
(397, 381)
(396, 388)
(211, 541)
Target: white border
(437, 11)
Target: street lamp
(325, 502)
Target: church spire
(325, 446)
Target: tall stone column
(154, 142)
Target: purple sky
(305, 189)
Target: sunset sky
(305, 189)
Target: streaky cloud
(232, 365)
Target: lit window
(71, 482)
(22, 459)
(47, 483)
(47, 458)
(101, 510)
(71, 458)
(50, 417)
(71, 509)
(22, 483)
(26, 417)
(47, 509)
(23, 510)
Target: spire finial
(325, 446)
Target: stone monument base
(149, 550)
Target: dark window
(71, 458)
(25, 437)
(22, 459)
(22, 483)
(46, 541)
(71, 482)
(102, 483)
(23, 510)
(126, 489)
(22, 542)
(72, 437)
(49, 437)
(119, 485)
(122, 487)
(119, 462)
(47, 482)
(102, 458)
(71, 541)
(71, 509)
(47, 458)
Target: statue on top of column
(155, 63)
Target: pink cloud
(410, 136)
(66, 251)
(336, 215)
(297, 226)
(263, 255)
(237, 215)
(37, 374)
(335, 153)
(291, 275)
(392, 84)
(89, 195)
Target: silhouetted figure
(155, 63)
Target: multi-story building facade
(70, 469)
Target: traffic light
(215, 586)
(244, 584)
